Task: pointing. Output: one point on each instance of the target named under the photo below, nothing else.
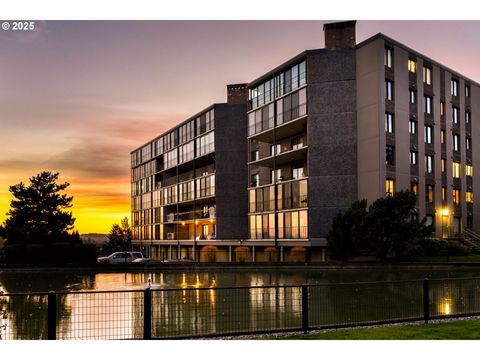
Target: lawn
(454, 330)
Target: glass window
(389, 187)
(456, 196)
(442, 136)
(412, 126)
(444, 163)
(388, 57)
(429, 193)
(388, 90)
(412, 66)
(468, 143)
(469, 197)
(427, 75)
(467, 117)
(469, 170)
(467, 90)
(428, 164)
(457, 168)
(442, 107)
(390, 155)
(428, 104)
(294, 77)
(388, 122)
(302, 73)
(414, 188)
(413, 96)
(444, 193)
(455, 114)
(413, 158)
(428, 134)
(454, 87)
(456, 142)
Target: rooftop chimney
(340, 35)
(237, 94)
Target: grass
(453, 330)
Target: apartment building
(323, 129)
(189, 185)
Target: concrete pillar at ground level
(281, 253)
(253, 254)
(230, 253)
(323, 254)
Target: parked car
(121, 257)
(179, 261)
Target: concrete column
(253, 254)
(230, 253)
(323, 254)
(170, 251)
(281, 253)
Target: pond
(204, 304)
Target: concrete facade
(303, 141)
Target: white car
(121, 257)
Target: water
(199, 307)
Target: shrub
(36, 254)
(14, 254)
(433, 247)
(454, 248)
(60, 253)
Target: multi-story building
(327, 127)
(189, 184)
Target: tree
(346, 231)
(120, 234)
(39, 212)
(386, 229)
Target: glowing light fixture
(445, 212)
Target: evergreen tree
(120, 235)
(39, 212)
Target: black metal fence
(202, 312)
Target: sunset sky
(77, 97)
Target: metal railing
(206, 312)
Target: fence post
(305, 308)
(52, 316)
(147, 314)
(426, 301)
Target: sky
(76, 97)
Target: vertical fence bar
(305, 308)
(426, 301)
(147, 314)
(52, 316)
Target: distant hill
(97, 239)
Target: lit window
(390, 155)
(414, 188)
(457, 167)
(467, 90)
(444, 193)
(413, 96)
(467, 117)
(412, 65)
(454, 87)
(428, 134)
(468, 143)
(388, 123)
(388, 90)
(413, 158)
(428, 164)
(443, 165)
(469, 170)
(297, 173)
(390, 187)
(442, 136)
(428, 104)
(456, 142)
(427, 75)
(442, 107)
(456, 196)
(388, 57)
(469, 197)
(412, 126)
(429, 193)
(455, 114)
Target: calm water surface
(198, 308)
